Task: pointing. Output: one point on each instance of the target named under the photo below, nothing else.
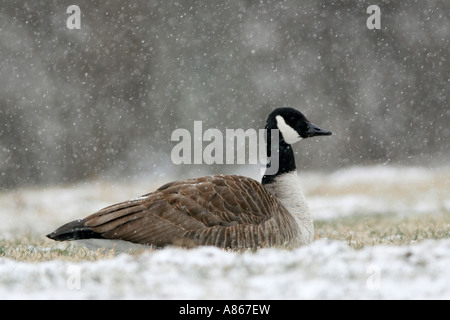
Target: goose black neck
(286, 159)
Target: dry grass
(360, 231)
(29, 249)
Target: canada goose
(227, 211)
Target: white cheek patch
(289, 134)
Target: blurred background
(103, 101)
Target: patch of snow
(379, 175)
(325, 269)
(333, 207)
(378, 190)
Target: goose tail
(75, 230)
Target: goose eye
(303, 126)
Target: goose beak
(314, 130)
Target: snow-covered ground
(380, 189)
(326, 269)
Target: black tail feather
(75, 230)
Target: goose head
(293, 125)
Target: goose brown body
(227, 211)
